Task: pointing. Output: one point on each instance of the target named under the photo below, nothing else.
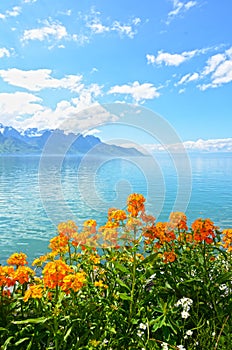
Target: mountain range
(34, 141)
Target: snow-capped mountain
(33, 141)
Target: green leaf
(124, 296)
(68, 333)
(21, 341)
(32, 320)
(4, 329)
(160, 323)
(122, 284)
(121, 268)
(224, 278)
(150, 258)
(7, 342)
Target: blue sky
(173, 57)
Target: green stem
(133, 281)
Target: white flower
(142, 326)
(180, 347)
(185, 314)
(140, 333)
(164, 346)
(189, 332)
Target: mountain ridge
(34, 141)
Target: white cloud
(50, 30)
(188, 78)
(29, 1)
(23, 110)
(4, 52)
(212, 63)
(179, 8)
(218, 70)
(94, 22)
(211, 145)
(138, 91)
(36, 80)
(175, 59)
(18, 104)
(92, 132)
(14, 12)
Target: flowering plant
(133, 283)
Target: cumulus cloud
(23, 109)
(211, 145)
(219, 70)
(17, 105)
(36, 80)
(138, 92)
(175, 59)
(50, 30)
(179, 8)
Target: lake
(36, 194)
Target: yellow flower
(18, 259)
(100, 284)
(95, 342)
(35, 291)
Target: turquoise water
(36, 194)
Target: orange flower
(135, 204)
(35, 292)
(54, 273)
(68, 229)
(227, 239)
(59, 244)
(116, 215)
(6, 276)
(74, 282)
(95, 258)
(18, 259)
(169, 256)
(164, 233)
(23, 274)
(203, 230)
(178, 220)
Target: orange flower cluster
(135, 204)
(68, 229)
(35, 291)
(203, 230)
(23, 274)
(90, 225)
(160, 232)
(9, 276)
(6, 276)
(169, 256)
(178, 220)
(73, 281)
(227, 239)
(116, 215)
(59, 244)
(58, 274)
(54, 273)
(18, 259)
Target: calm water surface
(35, 196)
